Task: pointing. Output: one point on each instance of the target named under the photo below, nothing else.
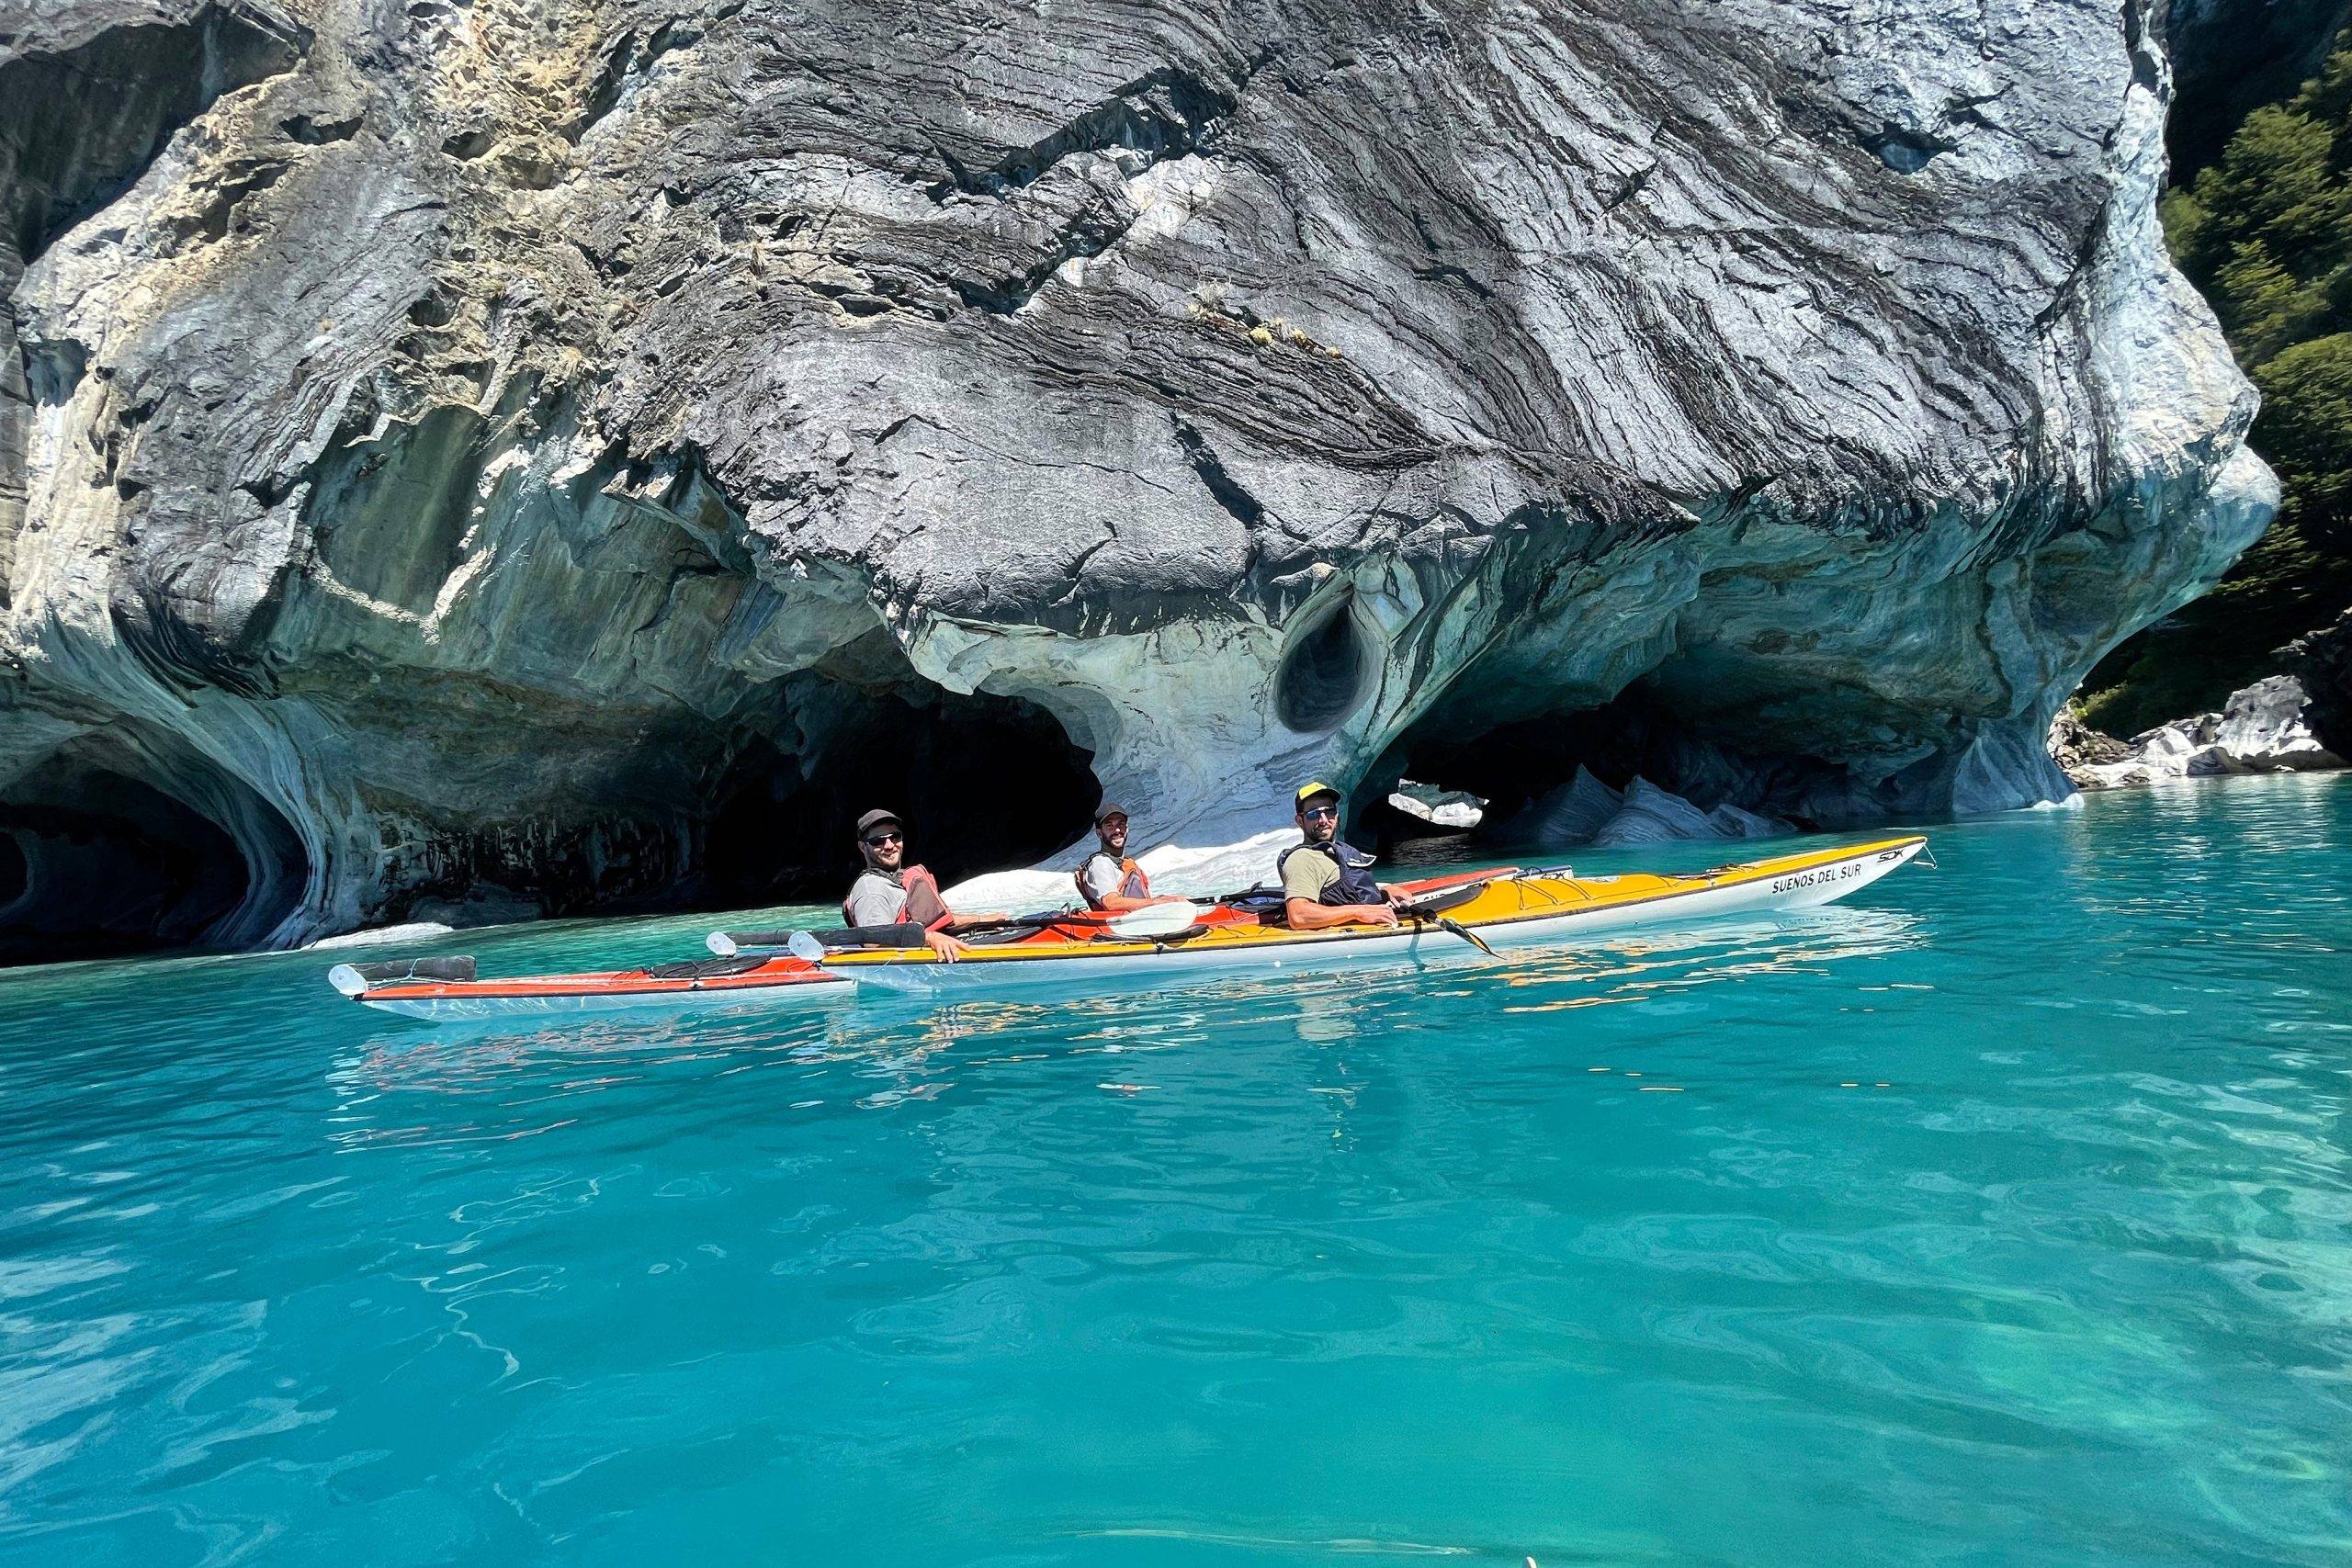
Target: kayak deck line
(1518, 907)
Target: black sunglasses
(881, 839)
(1314, 812)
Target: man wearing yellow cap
(1324, 882)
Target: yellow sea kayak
(1506, 908)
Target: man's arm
(1304, 877)
(1119, 903)
(1306, 915)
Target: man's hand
(947, 947)
(1375, 914)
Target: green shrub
(2266, 232)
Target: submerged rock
(594, 448)
(1587, 811)
(1575, 813)
(1652, 816)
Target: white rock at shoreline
(2262, 730)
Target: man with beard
(890, 894)
(1326, 882)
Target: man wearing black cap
(891, 893)
(1109, 880)
(1324, 882)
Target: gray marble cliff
(584, 448)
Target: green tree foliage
(2266, 232)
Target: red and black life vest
(924, 906)
(1133, 884)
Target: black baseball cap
(866, 823)
(1104, 812)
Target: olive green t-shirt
(1307, 873)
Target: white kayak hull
(450, 1010)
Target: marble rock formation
(1587, 811)
(2262, 730)
(2321, 663)
(582, 450)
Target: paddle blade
(1156, 919)
(805, 947)
(1467, 934)
(721, 944)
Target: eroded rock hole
(107, 854)
(1324, 674)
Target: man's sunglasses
(881, 839)
(1319, 811)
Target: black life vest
(1355, 884)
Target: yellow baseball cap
(1311, 791)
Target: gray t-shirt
(1101, 874)
(876, 899)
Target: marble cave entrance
(105, 850)
(1512, 764)
(984, 783)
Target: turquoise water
(2004, 1215)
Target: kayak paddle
(1458, 929)
(1155, 920)
(1427, 910)
(1151, 920)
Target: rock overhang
(1257, 390)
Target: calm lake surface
(2004, 1214)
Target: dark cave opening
(982, 782)
(105, 857)
(1516, 763)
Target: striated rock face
(585, 449)
(2321, 663)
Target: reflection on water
(2005, 1216)
(892, 1050)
